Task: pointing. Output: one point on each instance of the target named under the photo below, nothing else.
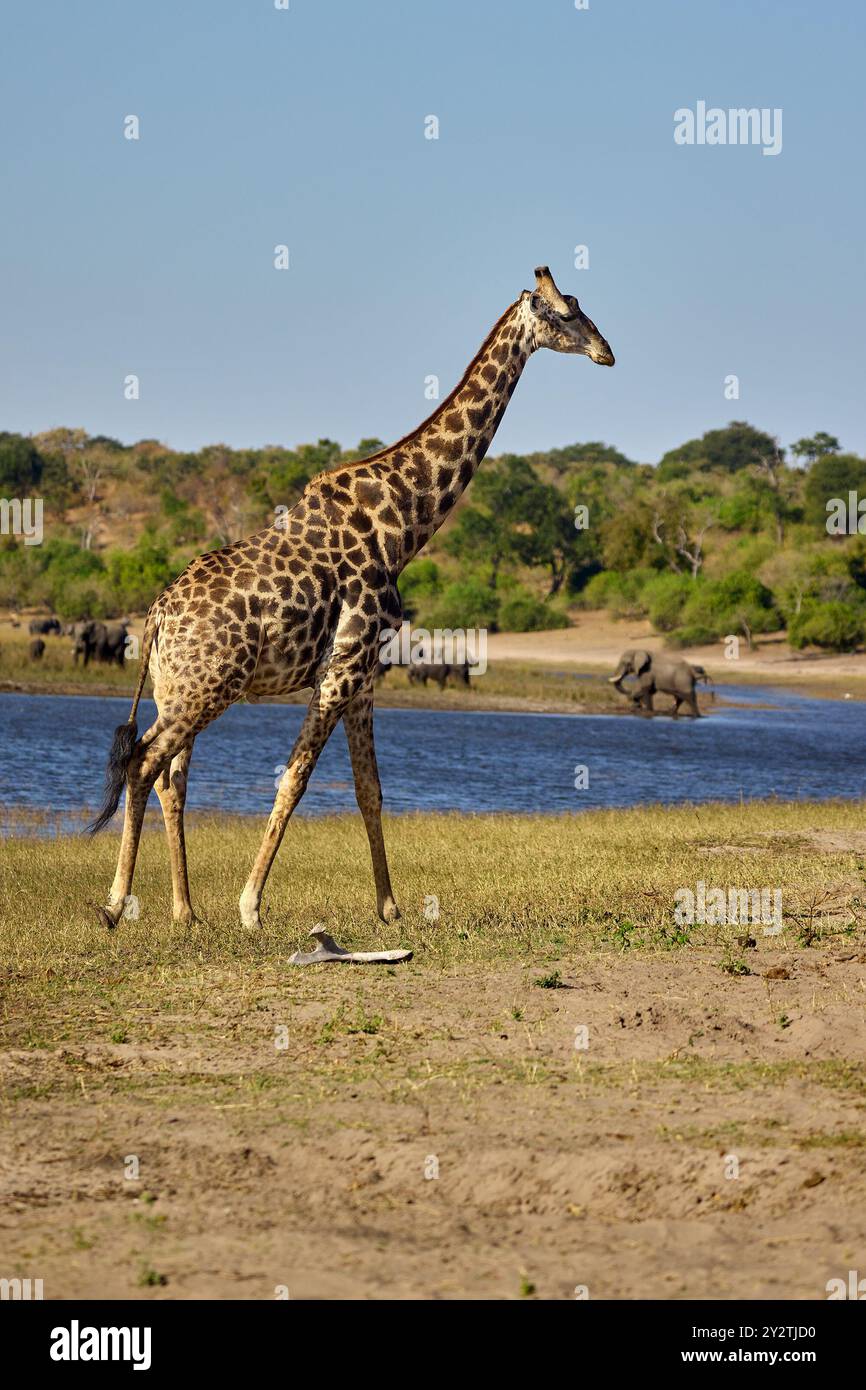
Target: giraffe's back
(253, 618)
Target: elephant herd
(92, 640)
(656, 672)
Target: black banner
(152, 1338)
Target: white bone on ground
(328, 950)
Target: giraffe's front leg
(325, 709)
(358, 723)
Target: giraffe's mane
(443, 405)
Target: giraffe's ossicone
(303, 602)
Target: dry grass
(56, 673)
(506, 886)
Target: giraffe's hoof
(187, 919)
(249, 910)
(390, 912)
(105, 915)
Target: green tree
(680, 529)
(480, 538)
(419, 583)
(815, 447)
(580, 458)
(627, 540)
(136, 576)
(366, 447)
(552, 539)
(21, 466)
(738, 602)
(490, 531)
(738, 445)
(832, 477)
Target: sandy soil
(597, 640)
(608, 1168)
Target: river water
(53, 750)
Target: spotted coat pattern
(303, 602)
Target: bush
(620, 593)
(466, 603)
(83, 598)
(419, 582)
(136, 576)
(665, 597)
(522, 612)
(58, 573)
(730, 604)
(836, 625)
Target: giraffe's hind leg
(171, 790)
(153, 752)
(358, 723)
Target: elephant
(655, 671)
(86, 636)
(99, 641)
(420, 672)
(41, 627)
(112, 646)
(37, 649)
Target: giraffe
(303, 602)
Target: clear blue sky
(306, 127)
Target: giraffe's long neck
(434, 465)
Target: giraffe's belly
(279, 673)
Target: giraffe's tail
(125, 738)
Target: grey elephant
(420, 672)
(37, 649)
(86, 635)
(111, 646)
(655, 671)
(96, 641)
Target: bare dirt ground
(562, 1090)
(432, 1135)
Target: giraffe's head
(559, 322)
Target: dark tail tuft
(119, 758)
